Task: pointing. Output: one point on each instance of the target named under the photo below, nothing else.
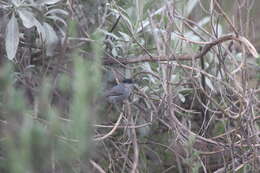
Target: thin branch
(184, 57)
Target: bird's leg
(109, 109)
(117, 108)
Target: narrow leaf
(209, 83)
(57, 11)
(40, 30)
(16, 3)
(49, 2)
(57, 18)
(190, 6)
(182, 98)
(51, 39)
(12, 37)
(28, 18)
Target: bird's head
(128, 82)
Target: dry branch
(184, 57)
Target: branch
(184, 57)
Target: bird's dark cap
(128, 81)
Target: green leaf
(57, 11)
(27, 17)
(109, 34)
(140, 8)
(12, 37)
(181, 97)
(209, 83)
(16, 3)
(125, 36)
(57, 18)
(51, 39)
(29, 21)
(40, 29)
(49, 2)
(190, 6)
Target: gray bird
(120, 92)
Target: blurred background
(195, 106)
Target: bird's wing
(115, 91)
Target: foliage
(33, 14)
(39, 137)
(195, 107)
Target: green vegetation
(195, 107)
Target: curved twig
(184, 57)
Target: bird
(120, 92)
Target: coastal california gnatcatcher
(120, 92)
